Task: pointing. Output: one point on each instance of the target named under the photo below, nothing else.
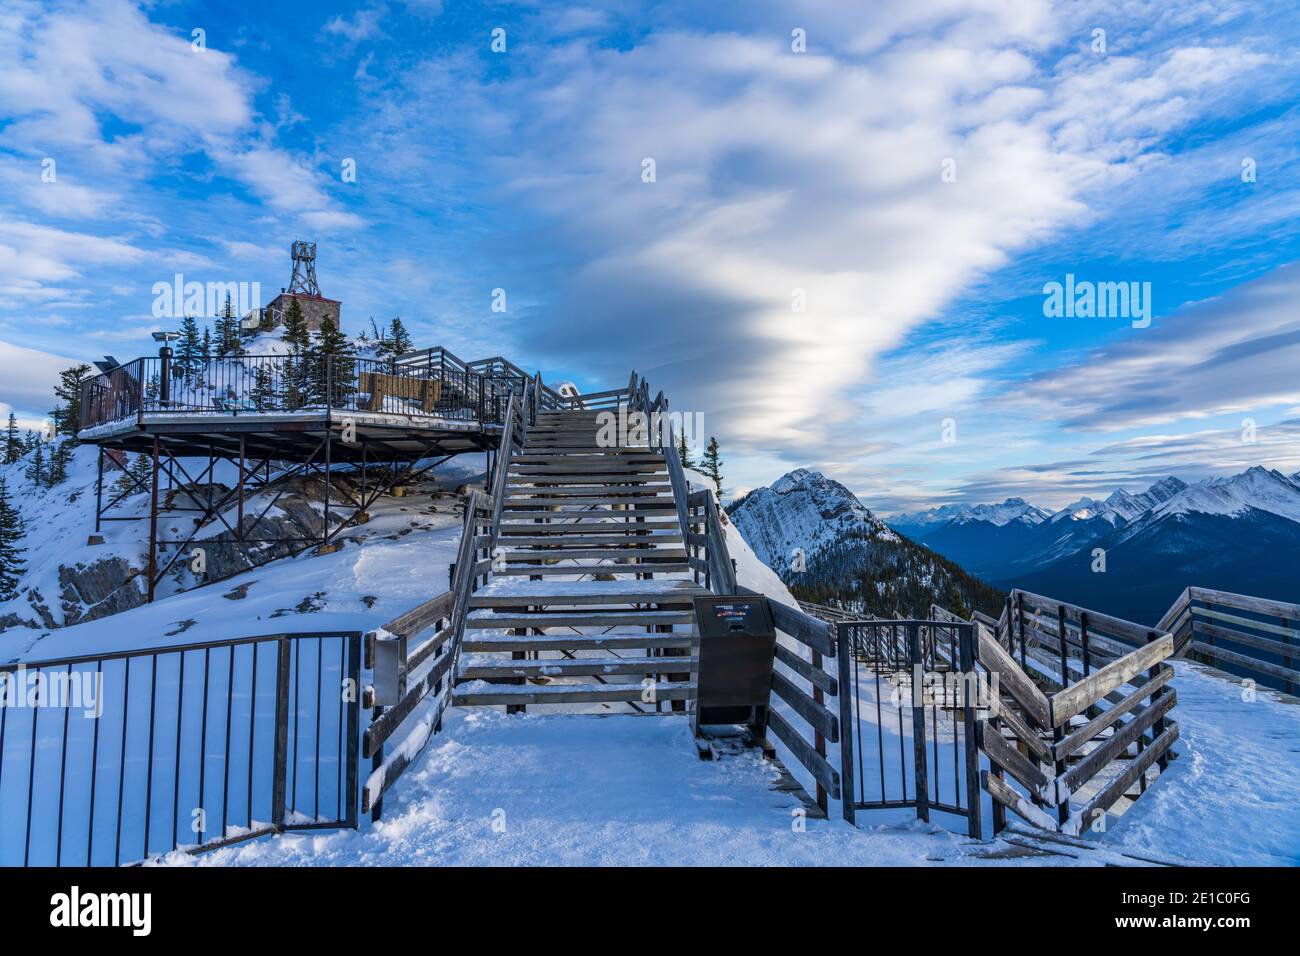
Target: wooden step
(619, 455)
(498, 669)
(640, 503)
(567, 514)
(585, 527)
(605, 496)
(593, 465)
(481, 694)
(656, 537)
(541, 619)
(580, 479)
(666, 567)
(625, 592)
(573, 642)
(615, 553)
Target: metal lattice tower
(304, 268)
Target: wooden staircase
(590, 597)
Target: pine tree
(189, 353)
(57, 471)
(35, 472)
(11, 552)
(227, 341)
(712, 464)
(684, 453)
(135, 477)
(396, 342)
(13, 442)
(67, 414)
(296, 332)
(262, 394)
(30, 441)
(333, 363)
(298, 368)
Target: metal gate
(909, 696)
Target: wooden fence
(1083, 712)
(1245, 636)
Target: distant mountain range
(849, 556)
(1237, 533)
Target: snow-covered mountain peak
(1260, 488)
(806, 510)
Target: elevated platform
(295, 436)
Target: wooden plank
(804, 628)
(627, 595)
(415, 658)
(581, 667)
(580, 619)
(818, 717)
(1014, 802)
(574, 642)
(568, 694)
(814, 675)
(1079, 697)
(421, 616)
(1135, 633)
(1025, 734)
(1245, 602)
(1113, 746)
(382, 727)
(1015, 763)
(1250, 663)
(1092, 728)
(1133, 771)
(1250, 640)
(1010, 677)
(815, 763)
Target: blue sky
(779, 175)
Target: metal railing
(114, 758)
(433, 384)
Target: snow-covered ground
(587, 789)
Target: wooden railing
(1245, 636)
(1104, 725)
(803, 684)
(443, 618)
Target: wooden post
(969, 678)
(819, 741)
(1020, 608)
(1083, 641)
(1058, 731)
(1158, 727)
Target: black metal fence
(292, 383)
(115, 758)
(909, 699)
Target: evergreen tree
(684, 452)
(30, 441)
(334, 365)
(35, 472)
(67, 415)
(711, 465)
(57, 471)
(13, 442)
(189, 352)
(135, 477)
(262, 395)
(11, 551)
(296, 332)
(298, 367)
(227, 341)
(396, 342)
